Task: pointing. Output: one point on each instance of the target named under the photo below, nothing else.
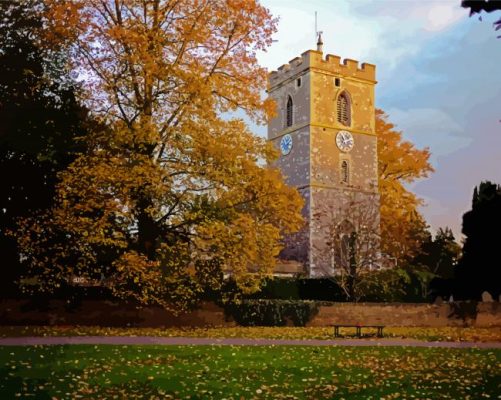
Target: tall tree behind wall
(39, 119)
(440, 254)
(403, 229)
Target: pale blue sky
(439, 79)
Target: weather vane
(318, 35)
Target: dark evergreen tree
(479, 269)
(39, 120)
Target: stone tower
(325, 131)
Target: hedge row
(272, 312)
(320, 289)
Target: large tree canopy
(169, 191)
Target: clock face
(286, 144)
(344, 141)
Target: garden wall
(108, 313)
(104, 313)
(464, 313)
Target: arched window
(345, 172)
(344, 109)
(345, 247)
(346, 243)
(289, 112)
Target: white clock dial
(286, 144)
(344, 141)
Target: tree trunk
(353, 266)
(148, 232)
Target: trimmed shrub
(320, 289)
(272, 312)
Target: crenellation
(296, 61)
(331, 64)
(346, 68)
(284, 68)
(332, 59)
(368, 67)
(351, 64)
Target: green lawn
(232, 372)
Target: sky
(439, 80)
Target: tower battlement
(314, 59)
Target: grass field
(231, 372)
(470, 334)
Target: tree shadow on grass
(12, 387)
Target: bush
(406, 285)
(387, 285)
(279, 288)
(320, 289)
(272, 312)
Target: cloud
(430, 127)
(457, 173)
(430, 15)
(452, 106)
(442, 15)
(379, 32)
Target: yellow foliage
(166, 183)
(399, 162)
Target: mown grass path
(185, 341)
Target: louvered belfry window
(343, 109)
(345, 173)
(289, 112)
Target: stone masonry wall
(107, 313)
(456, 314)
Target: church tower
(325, 132)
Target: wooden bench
(358, 329)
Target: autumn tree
(169, 192)
(403, 229)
